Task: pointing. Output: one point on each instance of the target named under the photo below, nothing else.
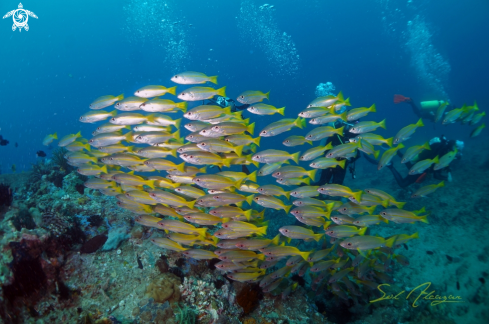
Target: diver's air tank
(431, 105)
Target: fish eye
(309, 136)
(257, 156)
(349, 244)
(256, 198)
(183, 93)
(242, 97)
(287, 141)
(263, 132)
(113, 119)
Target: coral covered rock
(164, 287)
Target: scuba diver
(439, 146)
(427, 110)
(224, 102)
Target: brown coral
(164, 287)
(249, 298)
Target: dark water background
(79, 50)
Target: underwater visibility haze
(244, 162)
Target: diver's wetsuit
(437, 149)
(424, 114)
(337, 174)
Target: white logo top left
(20, 17)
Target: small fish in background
(40, 154)
(3, 141)
(14, 168)
(49, 139)
(16, 144)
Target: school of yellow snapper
(190, 198)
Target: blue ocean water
(77, 51)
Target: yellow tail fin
(342, 164)
(180, 167)
(120, 97)
(238, 150)
(420, 123)
(295, 157)
(281, 111)
(190, 204)
(373, 108)
(267, 95)
(176, 135)
(287, 208)
(150, 183)
(382, 124)
(213, 79)
(252, 176)
(257, 141)
(221, 92)
(182, 106)
(172, 90)
(251, 128)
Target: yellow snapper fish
(141, 197)
(325, 163)
(109, 128)
(421, 166)
(163, 105)
(413, 151)
(406, 132)
(326, 101)
(49, 139)
(199, 254)
(315, 152)
(147, 220)
(282, 126)
(231, 128)
(214, 181)
(373, 139)
(129, 118)
(252, 96)
(264, 109)
(181, 227)
(366, 242)
(130, 104)
(366, 127)
(388, 156)
(68, 139)
(315, 112)
(201, 93)
(291, 171)
(401, 216)
(341, 231)
(426, 190)
(357, 113)
(215, 145)
(445, 160)
(319, 133)
(154, 91)
(189, 191)
(299, 232)
(105, 101)
(132, 180)
(205, 112)
(91, 169)
(336, 190)
(77, 146)
(80, 158)
(477, 118)
(328, 118)
(477, 130)
(271, 202)
(204, 219)
(273, 190)
(191, 77)
(279, 251)
(272, 156)
(95, 116)
(295, 140)
(239, 226)
(242, 139)
(167, 244)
